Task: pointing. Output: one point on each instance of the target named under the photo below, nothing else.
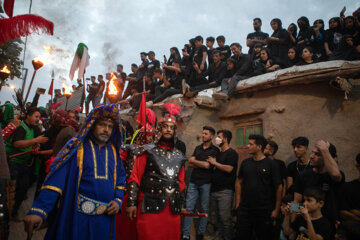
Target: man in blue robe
(86, 184)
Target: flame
(5, 70)
(43, 58)
(67, 89)
(112, 88)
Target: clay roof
(307, 74)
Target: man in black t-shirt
(154, 64)
(350, 197)
(215, 73)
(326, 175)
(198, 61)
(258, 192)
(243, 68)
(223, 183)
(300, 146)
(224, 49)
(200, 181)
(172, 83)
(142, 70)
(256, 37)
(210, 45)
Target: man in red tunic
(156, 185)
(125, 228)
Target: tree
(10, 56)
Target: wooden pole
(32, 80)
(24, 83)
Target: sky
(116, 31)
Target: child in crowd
(309, 223)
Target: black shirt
(141, 71)
(221, 180)
(243, 64)
(152, 66)
(309, 178)
(20, 133)
(216, 74)
(259, 186)
(198, 55)
(256, 36)
(210, 56)
(282, 169)
(350, 195)
(225, 52)
(321, 226)
(201, 176)
(294, 169)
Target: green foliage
(10, 55)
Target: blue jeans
(195, 191)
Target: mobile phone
(295, 207)
(42, 90)
(343, 10)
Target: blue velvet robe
(82, 174)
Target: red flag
(142, 111)
(9, 7)
(51, 88)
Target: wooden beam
(237, 115)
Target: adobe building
(319, 101)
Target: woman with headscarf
(346, 51)
(307, 57)
(319, 49)
(279, 42)
(306, 35)
(265, 64)
(292, 30)
(174, 56)
(333, 36)
(292, 58)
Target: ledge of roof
(316, 72)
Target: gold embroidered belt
(90, 206)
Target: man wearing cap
(86, 183)
(156, 185)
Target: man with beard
(200, 181)
(223, 183)
(326, 175)
(256, 37)
(126, 229)
(86, 183)
(156, 185)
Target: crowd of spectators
(307, 199)
(201, 65)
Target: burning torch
(4, 74)
(37, 63)
(68, 94)
(112, 89)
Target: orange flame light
(112, 88)
(67, 88)
(5, 70)
(43, 58)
